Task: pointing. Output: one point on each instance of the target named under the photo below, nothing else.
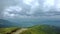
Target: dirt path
(19, 31)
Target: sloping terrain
(38, 29)
(20, 31)
(10, 28)
(6, 23)
(42, 29)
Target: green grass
(7, 30)
(38, 29)
(41, 29)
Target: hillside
(37, 29)
(6, 23)
(42, 29)
(8, 30)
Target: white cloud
(8, 9)
(48, 4)
(9, 15)
(33, 3)
(12, 15)
(29, 2)
(6, 14)
(57, 5)
(30, 7)
(13, 8)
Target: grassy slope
(40, 29)
(7, 30)
(43, 29)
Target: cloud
(29, 8)
(13, 8)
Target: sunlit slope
(42, 29)
(8, 30)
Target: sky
(29, 8)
